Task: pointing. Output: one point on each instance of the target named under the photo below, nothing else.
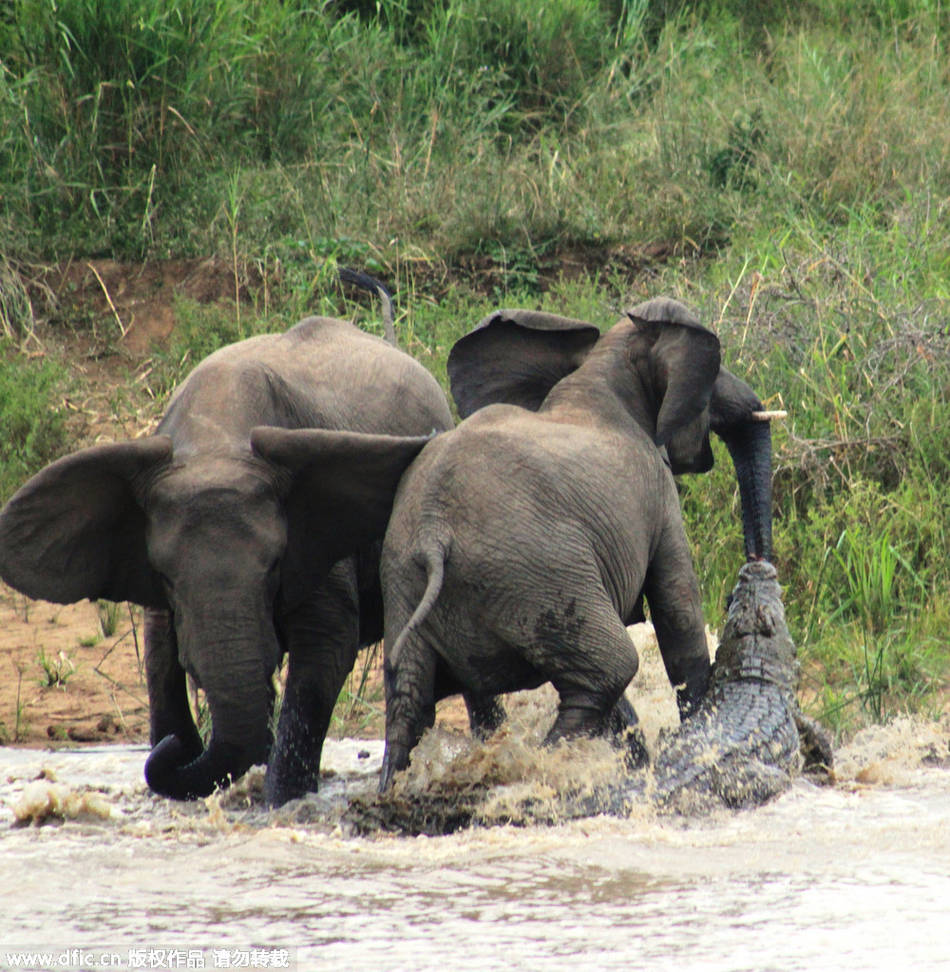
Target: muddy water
(852, 876)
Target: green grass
(56, 671)
(33, 429)
(789, 161)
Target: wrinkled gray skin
(522, 543)
(745, 744)
(248, 529)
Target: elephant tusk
(768, 416)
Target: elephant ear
(77, 528)
(685, 358)
(339, 488)
(516, 357)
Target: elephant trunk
(240, 738)
(733, 417)
(750, 445)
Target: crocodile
(749, 738)
(744, 745)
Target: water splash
(854, 874)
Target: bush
(32, 422)
(540, 55)
(109, 107)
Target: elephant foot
(485, 714)
(293, 770)
(279, 791)
(293, 767)
(576, 720)
(620, 727)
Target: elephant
(523, 542)
(249, 526)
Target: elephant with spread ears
(249, 526)
(522, 543)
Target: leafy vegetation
(781, 168)
(32, 421)
(56, 671)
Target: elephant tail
(432, 560)
(364, 280)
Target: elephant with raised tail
(248, 526)
(523, 542)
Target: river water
(854, 875)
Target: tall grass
(473, 123)
(33, 429)
(114, 109)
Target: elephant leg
(169, 713)
(590, 678)
(485, 713)
(410, 703)
(672, 592)
(322, 641)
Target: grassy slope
(792, 169)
